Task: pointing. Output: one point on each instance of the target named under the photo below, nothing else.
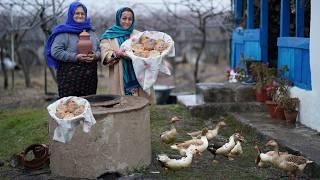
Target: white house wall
(310, 100)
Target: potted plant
(244, 71)
(278, 90)
(290, 105)
(263, 76)
(271, 104)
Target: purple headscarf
(70, 26)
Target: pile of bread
(147, 47)
(69, 109)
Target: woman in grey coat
(76, 73)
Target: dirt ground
(21, 97)
(203, 168)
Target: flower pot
(291, 116)
(271, 108)
(280, 113)
(261, 95)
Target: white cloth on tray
(147, 69)
(66, 128)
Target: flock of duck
(199, 142)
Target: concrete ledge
(226, 92)
(190, 100)
(214, 109)
(297, 139)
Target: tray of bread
(68, 108)
(148, 50)
(148, 45)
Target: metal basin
(162, 93)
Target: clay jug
(84, 44)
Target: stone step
(294, 138)
(225, 92)
(213, 109)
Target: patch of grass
(20, 128)
(242, 167)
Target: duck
(237, 149)
(178, 163)
(211, 132)
(169, 136)
(225, 149)
(291, 164)
(264, 160)
(201, 144)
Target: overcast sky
(113, 5)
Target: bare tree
(3, 43)
(3, 68)
(101, 21)
(28, 16)
(47, 21)
(153, 18)
(197, 14)
(5, 35)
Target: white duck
(289, 163)
(211, 132)
(176, 164)
(237, 149)
(226, 148)
(200, 144)
(169, 136)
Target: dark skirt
(77, 79)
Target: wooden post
(264, 29)
(299, 18)
(250, 12)
(285, 18)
